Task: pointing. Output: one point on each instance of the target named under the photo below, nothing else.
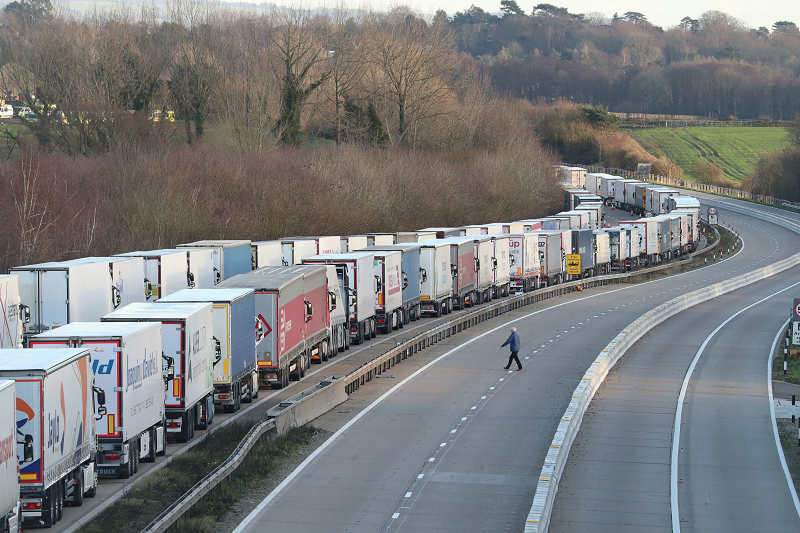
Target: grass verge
(791, 451)
(792, 365)
(133, 512)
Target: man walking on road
(513, 340)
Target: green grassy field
(736, 150)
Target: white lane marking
(408, 495)
(676, 430)
(395, 515)
(775, 423)
(420, 476)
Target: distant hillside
(735, 150)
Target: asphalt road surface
(459, 444)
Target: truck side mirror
(477, 264)
(101, 412)
(190, 279)
(454, 270)
(309, 311)
(217, 276)
(512, 260)
(331, 301)
(252, 262)
(148, 289)
(423, 274)
(405, 280)
(25, 313)
(100, 394)
(494, 263)
(27, 448)
(170, 375)
(378, 285)
(541, 256)
(116, 297)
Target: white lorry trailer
(525, 270)
(127, 364)
(295, 250)
(233, 316)
(437, 279)
(411, 276)
(10, 510)
(200, 268)
(352, 243)
(380, 239)
(551, 257)
(357, 278)
(230, 257)
(126, 277)
(187, 343)
(484, 267)
(63, 292)
(55, 423)
(501, 266)
(389, 310)
(602, 253)
(266, 253)
(164, 272)
(14, 312)
(649, 249)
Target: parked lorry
(501, 266)
(298, 248)
(266, 253)
(357, 278)
(233, 316)
(164, 273)
(380, 239)
(62, 292)
(602, 253)
(389, 310)
(583, 245)
(514, 227)
(200, 268)
(189, 356)
(352, 243)
(531, 225)
(551, 257)
(484, 267)
(411, 276)
(584, 218)
(127, 363)
(230, 257)
(618, 248)
(575, 176)
(55, 428)
(292, 319)
(413, 236)
(462, 267)
(648, 238)
(10, 509)
(437, 277)
(622, 189)
(339, 307)
(555, 223)
(126, 278)
(482, 229)
(525, 271)
(596, 215)
(593, 182)
(15, 313)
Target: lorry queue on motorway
(105, 358)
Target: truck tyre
(49, 508)
(136, 457)
(323, 351)
(403, 318)
(359, 334)
(247, 398)
(92, 492)
(127, 469)
(77, 491)
(151, 434)
(342, 344)
(438, 309)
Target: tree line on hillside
(713, 66)
(264, 76)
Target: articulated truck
(55, 421)
(15, 314)
(126, 363)
(187, 343)
(10, 510)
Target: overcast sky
(665, 14)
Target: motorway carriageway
(457, 444)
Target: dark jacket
(513, 340)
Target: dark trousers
(513, 357)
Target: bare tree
(418, 66)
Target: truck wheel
(403, 318)
(341, 344)
(248, 398)
(136, 457)
(151, 457)
(359, 334)
(49, 508)
(397, 319)
(323, 351)
(127, 469)
(438, 309)
(77, 491)
(92, 492)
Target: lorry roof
(392, 247)
(153, 253)
(39, 359)
(6, 383)
(94, 329)
(54, 265)
(350, 256)
(458, 240)
(223, 243)
(306, 238)
(253, 243)
(269, 277)
(381, 250)
(206, 295)
(165, 311)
